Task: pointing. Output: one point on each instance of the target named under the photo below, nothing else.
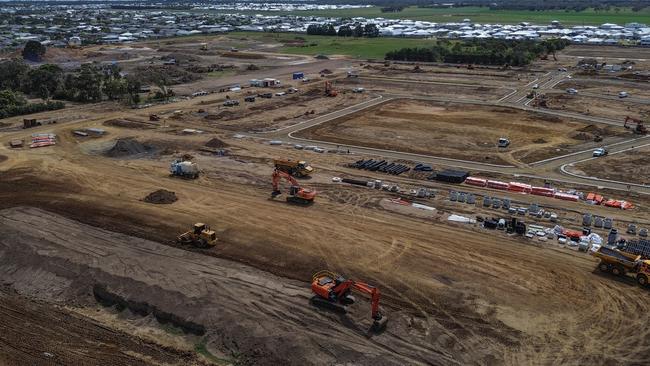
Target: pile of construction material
(523, 188)
(43, 139)
(381, 166)
(637, 247)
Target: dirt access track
(449, 130)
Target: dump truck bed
(614, 256)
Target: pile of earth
(216, 143)
(161, 196)
(2, 158)
(128, 123)
(221, 115)
(128, 147)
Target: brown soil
(161, 196)
(216, 143)
(632, 166)
(128, 147)
(462, 91)
(130, 123)
(613, 109)
(34, 333)
(456, 131)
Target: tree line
(359, 30)
(14, 104)
(89, 83)
(481, 52)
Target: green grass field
(485, 15)
(363, 48)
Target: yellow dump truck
(620, 263)
(297, 168)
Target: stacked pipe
(381, 166)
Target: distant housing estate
(74, 25)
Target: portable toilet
(487, 202)
(598, 221)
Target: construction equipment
(297, 168)
(184, 169)
(329, 90)
(297, 194)
(639, 126)
(332, 291)
(621, 263)
(200, 236)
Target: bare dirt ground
(607, 87)
(598, 107)
(75, 231)
(36, 333)
(451, 90)
(631, 166)
(453, 74)
(607, 52)
(448, 130)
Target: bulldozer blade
(379, 325)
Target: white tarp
(463, 219)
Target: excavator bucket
(379, 324)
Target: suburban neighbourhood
(76, 24)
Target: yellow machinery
(199, 236)
(295, 168)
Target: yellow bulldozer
(200, 236)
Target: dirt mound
(244, 55)
(221, 115)
(128, 147)
(129, 123)
(540, 141)
(161, 196)
(582, 136)
(216, 143)
(2, 158)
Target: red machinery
(332, 291)
(329, 91)
(297, 194)
(640, 128)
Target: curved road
(554, 168)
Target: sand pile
(161, 196)
(127, 147)
(216, 143)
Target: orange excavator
(639, 129)
(329, 90)
(297, 194)
(332, 291)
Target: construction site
(331, 211)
